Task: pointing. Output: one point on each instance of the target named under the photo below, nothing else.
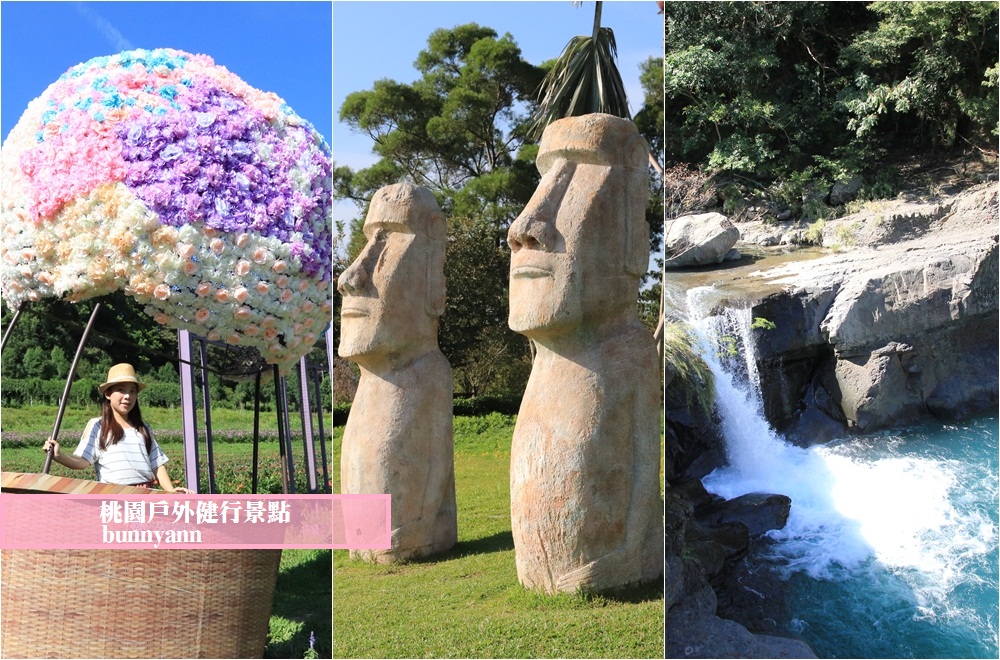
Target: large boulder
(698, 240)
(892, 332)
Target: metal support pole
(69, 383)
(189, 420)
(206, 396)
(329, 358)
(307, 425)
(281, 407)
(11, 324)
(256, 433)
(317, 381)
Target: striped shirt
(126, 462)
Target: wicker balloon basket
(133, 603)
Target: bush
(483, 405)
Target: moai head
(394, 292)
(580, 246)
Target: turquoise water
(891, 546)
(928, 587)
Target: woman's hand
(183, 491)
(69, 460)
(52, 445)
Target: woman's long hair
(112, 431)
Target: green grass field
(465, 603)
(468, 603)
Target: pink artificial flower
(222, 296)
(204, 289)
(217, 245)
(262, 287)
(201, 315)
(260, 255)
(240, 293)
(161, 292)
(242, 266)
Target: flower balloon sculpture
(161, 174)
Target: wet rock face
(759, 512)
(718, 607)
(882, 336)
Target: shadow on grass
(635, 594)
(303, 605)
(499, 542)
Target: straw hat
(121, 373)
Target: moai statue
(398, 438)
(586, 512)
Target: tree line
(778, 100)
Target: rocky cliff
(901, 325)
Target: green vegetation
(689, 379)
(782, 99)
(301, 623)
(814, 234)
(467, 602)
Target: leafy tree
(58, 361)
(35, 363)
(935, 62)
(751, 87)
(458, 122)
(459, 131)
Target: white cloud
(104, 27)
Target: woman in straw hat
(119, 444)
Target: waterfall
(895, 518)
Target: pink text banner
(209, 522)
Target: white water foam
(857, 507)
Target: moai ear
(436, 244)
(637, 194)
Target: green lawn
(468, 602)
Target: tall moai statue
(586, 511)
(398, 438)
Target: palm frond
(584, 80)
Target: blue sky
(374, 40)
(282, 47)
